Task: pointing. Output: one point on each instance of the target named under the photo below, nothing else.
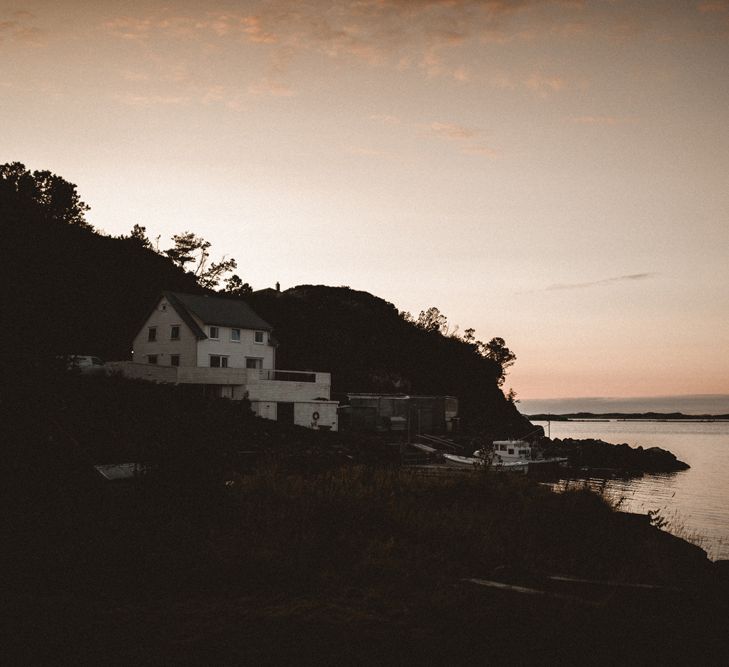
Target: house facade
(223, 346)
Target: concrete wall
(241, 380)
(148, 372)
(327, 410)
(303, 413)
(264, 409)
(164, 316)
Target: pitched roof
(215, 310)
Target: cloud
(451, 131)
(434, 37)
(361, 150)
(461, 73)
(480, 149)
(139, 100)
(271, 88)
(545, 84)
(129, 75)
(601, 120)
(605, 281)
(19, 30)
(716, 7)
(253, 28)
(385, 119)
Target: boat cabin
(512, 450)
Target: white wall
(264, 409)
(304, 414)
(163, 317)
(236, 352)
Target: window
(151, 358)
(152, 334)
(218, 361)
(511, 451)
(258, 336)
(235, 335)
(174, 360)
(175, 332)
(254, 362)
(214, 333)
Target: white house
(222, 345)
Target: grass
(353, 563)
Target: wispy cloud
(363, 151)
(138, 100)
(602, 120)
(544, 85)
(605, 281)
(465, 138)
(19, 29)
(715, 7)
(385, 119)
(480, 149)
(271, 88)
(451, 131)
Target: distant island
(638, 416)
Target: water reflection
(695, 502)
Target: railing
(287, 376)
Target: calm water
(695, 501)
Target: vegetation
(89, 294)
(205, 559)
(248, 541)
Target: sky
(551, 172)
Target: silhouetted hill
(626, 416)
(70, 290)
(367, 346)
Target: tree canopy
(56, 197)
(192, 249)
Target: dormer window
(214, 333)
(175, 332)
(235, 335)
(152, 334)
(258, 336)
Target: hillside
(368, 346)
(72, 290)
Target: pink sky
(554, 173)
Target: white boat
(506, 456)
(462, 461)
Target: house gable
(217, 332)
(175, 336)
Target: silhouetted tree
(433, 320)
(139, 234)
(56, 197)
(497, 351)
(192, 248)
(235, 286)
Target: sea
(694, 503)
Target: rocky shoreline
(591, 453)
